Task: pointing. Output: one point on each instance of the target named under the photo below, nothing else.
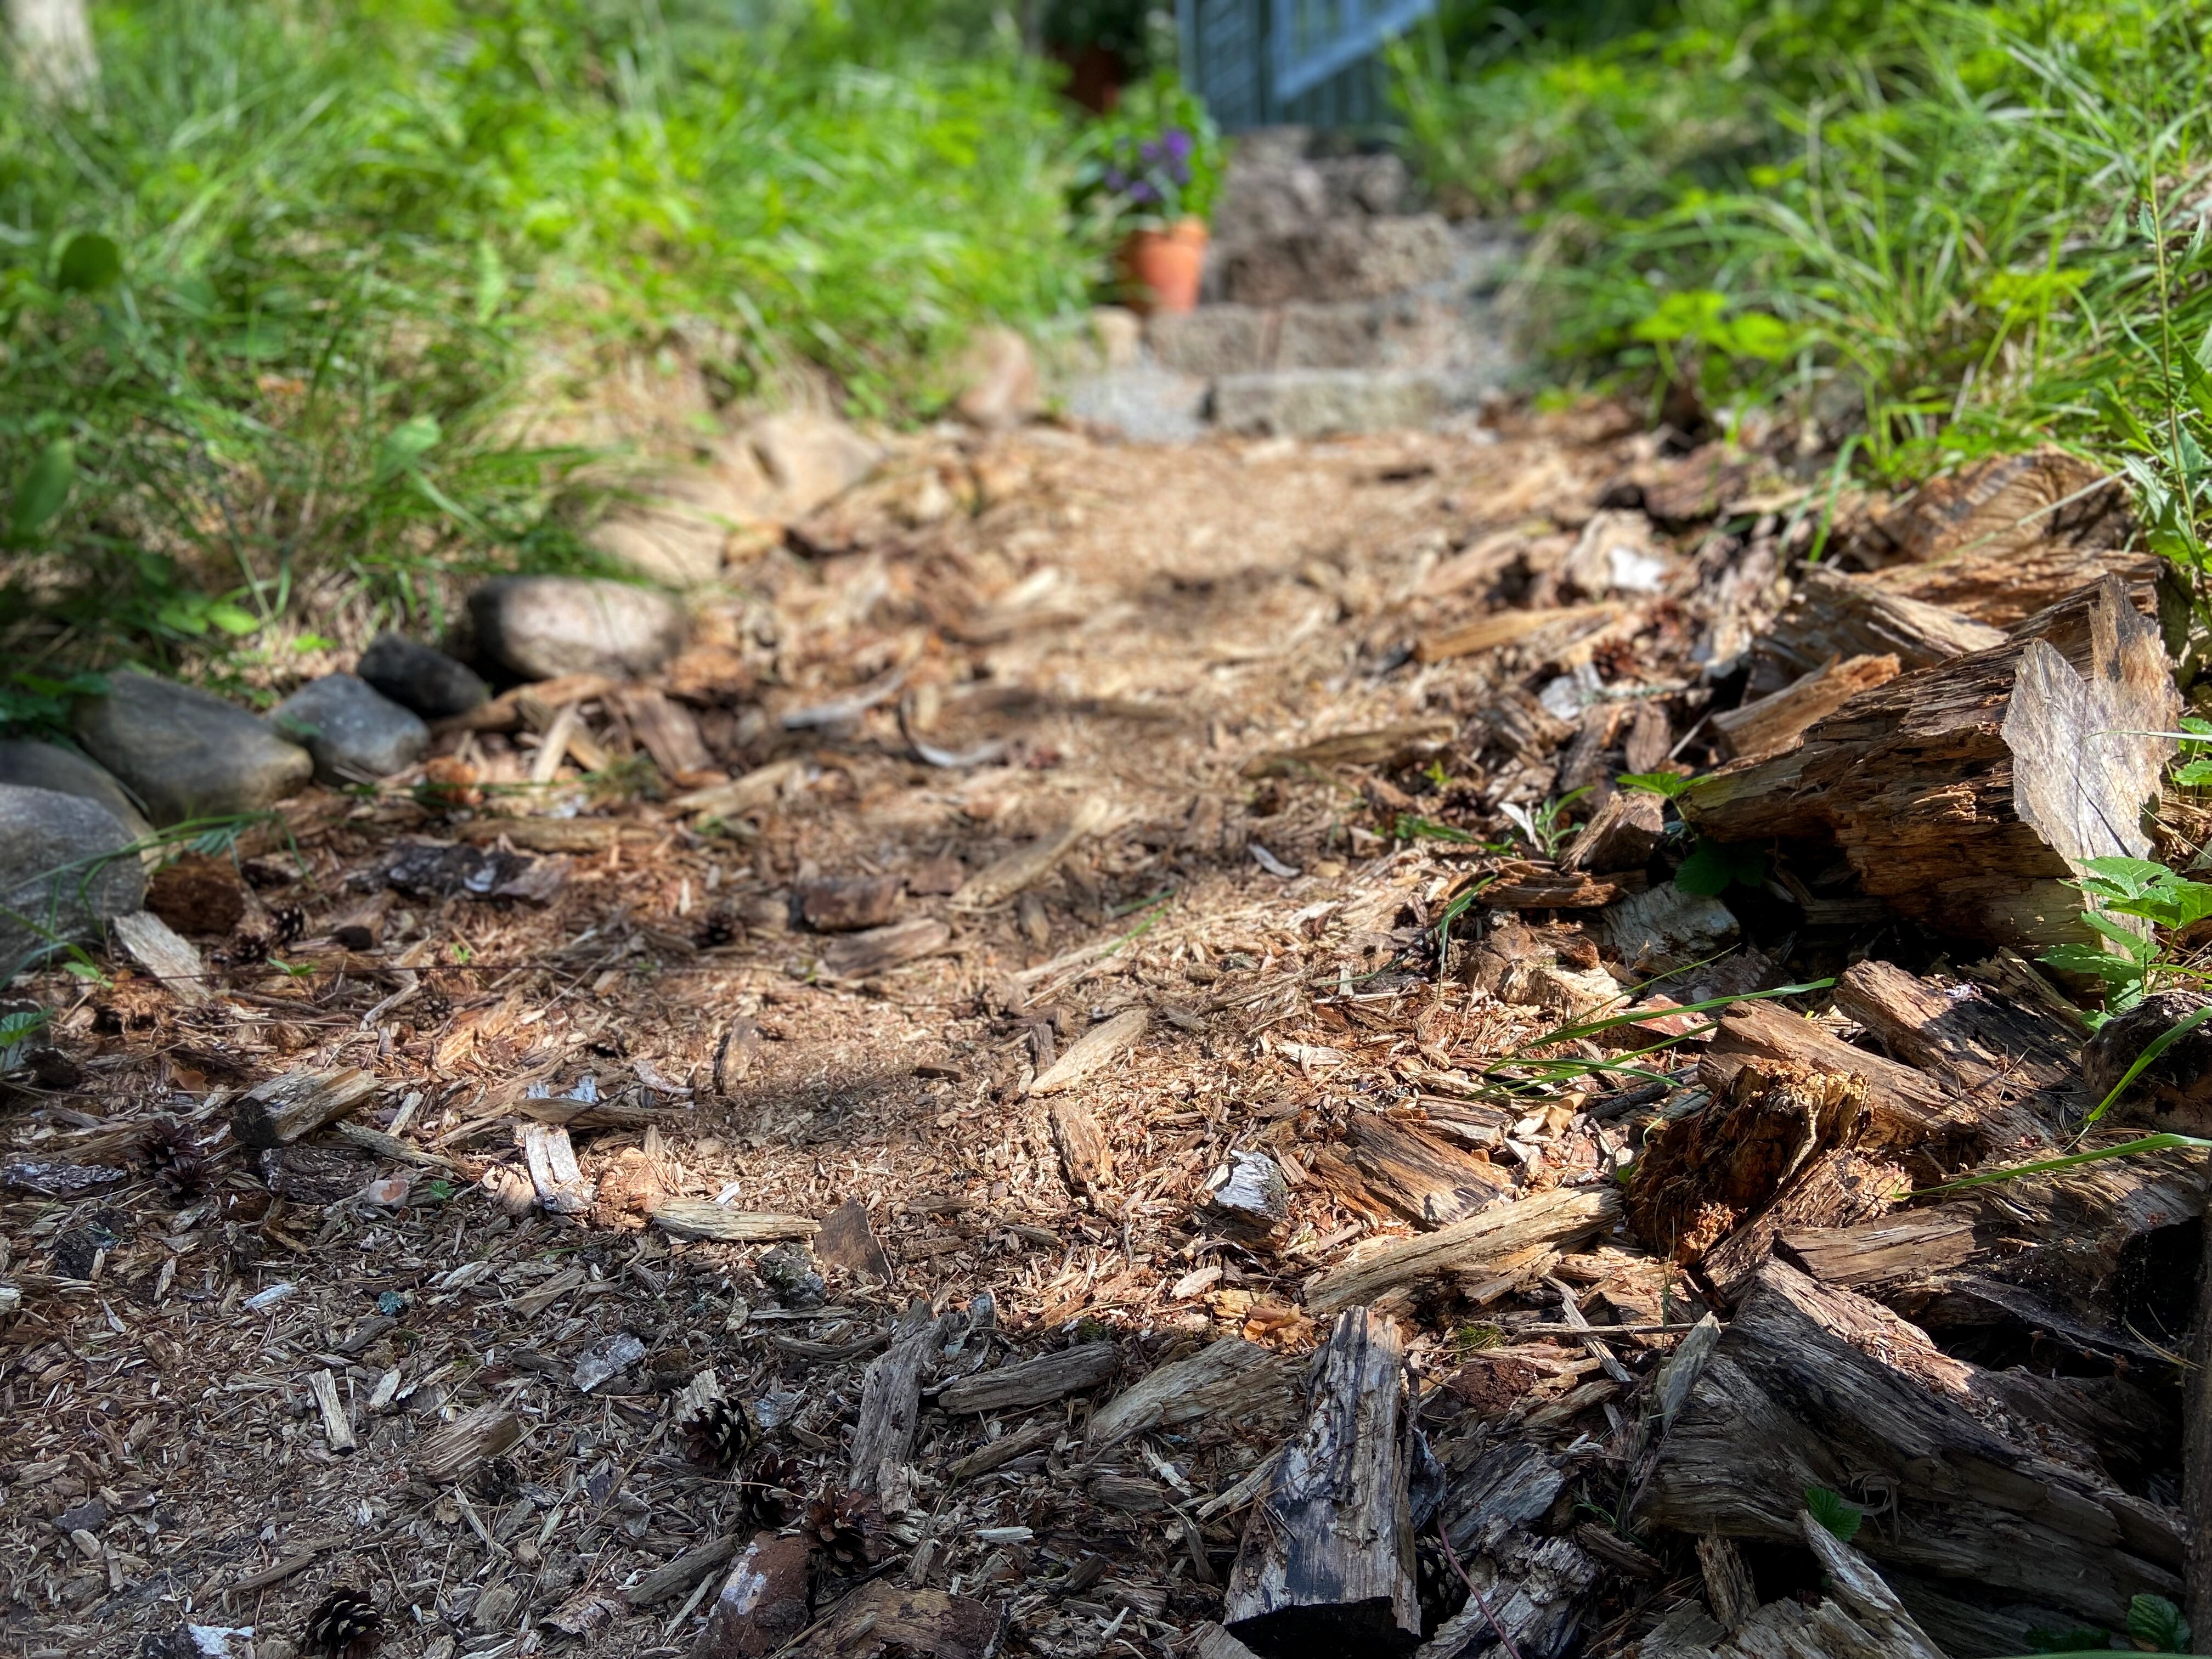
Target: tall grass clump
(1926, 232)
(267, 303)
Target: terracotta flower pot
(1161, 267)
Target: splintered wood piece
(174, 961)
(1811, 1386)
(1430, 1183)
(1833, 615)
(338, 1424)
(1703, 1174)
(1507, 627)
(1409, 742)
(1623, 834)
(1086, 1161)
(285, 1109)
(1326, 1562)
(1853, 1581)
(1229, 1378)
(2001, 589)
(1768, 725)
(1729, 1591)
(1840, 1188)
(879, 950)
(449, 1454)
(1552, 1217)
(846, 904)
(1537, 1603)
(560, 1184)
(993, 1454)
(1099, 1045)
(1968, 795)
(756, 790)
(676, 1576)
(702, 1217)
(1033, 1381)
(890, 1410)
(1519, 884)
(669, 731)
(881, 1620)
(1253, 1204)
(2003, 505)
(1002, 881)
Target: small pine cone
(175, 1156)
(290, 923)
(715, 1427)
(1443, 1592)
(842, 1527)
(769, 1497)
(721, 926)
(345, 1624)
(496, 1481)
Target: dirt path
(1121, 633)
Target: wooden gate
(1258, 62)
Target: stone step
(1403, 331)
(1337, 259)
(1318, 402)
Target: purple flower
(1144, 193)
(1149, 151)
(1117, 180)
(1179, 144)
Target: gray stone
(354, 730)
(421, 677)
(1312, 403)
(998, 379)
(186, 753)
(540, 627)
(1342, 259)
(810, 458)
(64, 870)
(49, 766)
(1152, 405)
(1212, 340)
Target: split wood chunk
(1086, 1162)
(670, 733)
(1768, 725)
(1520, 884)
(1253, 1204)
(1230, 1378)
(883, 1620)
(1811, 1386)
(1099, 1045)
(2002, 589)
(1430, 1183)
(1327, 1565)
(846, 904)
(559, 1185)
(337, 1422)
(1407, 744)
(1002, 881)
(763, 1603)
(757, 790)
(1833, 616)
(876, 951)
(2173, 1093)
(1537, 1602)
(506, 712)
(704, 1218)
(2005, 505)
(1553, 1218)
(449, 1454)
(155, 946)
(993, 1454)
(1703, 1174)
(1842, 1187)
(1033, 1381)
(1623, 834)
(285, 1109)
(1510, 627)
(1965, 795)
(891, 1411)
(1852, 1581)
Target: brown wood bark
(890, 1410)
(2196, 1463)
(2002, 588)
(1557, 1217)
(1768, 725)
(1833, 616)
(1623, 834)
(1430, 1183)
(1967, 795)
(285, 1109)
(1327, 1565)
(1816, 1386)
(2011, 505)
(1033, 1381)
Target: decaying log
(2014, 505)
(1033, 1381)
(1768, 725)
(890, 1410)
(1327, 1565)
(1967, 795)
(1623, 834)
(883, 1620)
(1558, 1216)
(879, 950)
(2001, 589)
(1841, 1188)
(1430, 1183)
(285, 1109)
(1230, 1378)
(1533, 1599)
(2171, 1095)
(1833, 616)
(1811, 1386)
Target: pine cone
(1443, 1592)
(173, 1152)
(842, 1527)
(496, 1481)
(345, 1624)
(768, 1498)
(719, 926)
(715, 1427)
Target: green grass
(345, 237)
(1919, 233)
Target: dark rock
(847, 1241)
(49, 766)
(186, 753)
(539, 627)
(2174, 1093)
(65, 869)
(354, 730)
(421, 677)
(763, 1604)
(427, 869)
(846, 904)
(90, 1515)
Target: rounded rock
(186, 753)
(421, 677)
(35, 765)
(66, 868)
(353, 730)
(538, 628)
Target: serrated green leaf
(1832, 1512)
(2132, 876)
(2155, 1619)
(1669, 784)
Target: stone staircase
(1332, 304)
